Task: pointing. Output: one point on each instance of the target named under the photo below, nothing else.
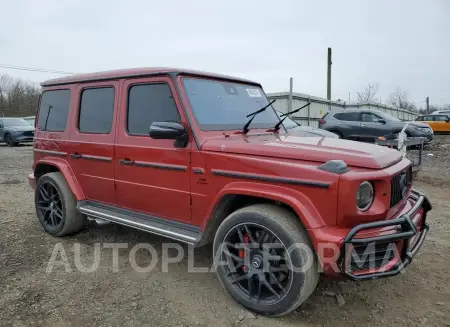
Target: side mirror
(382, 121)
(169, 131)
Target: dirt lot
(31, 297)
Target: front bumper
(22, 138)
(377, 259)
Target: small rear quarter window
(53, 110)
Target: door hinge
(190, 154)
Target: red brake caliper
(242, 253)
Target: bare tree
(17, 95)
(368, 94)
(399, 99)
(5, 83)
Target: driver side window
(148, 103)
(440, 118)
(369, 117)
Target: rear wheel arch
(338, 133)
(57, 165)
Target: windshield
(288, 122)
(30, 121)
(12, 122)
(385, 115)
(219, 105)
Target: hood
(309, 131)
(21, 128)
(418, 123)
(317, 149)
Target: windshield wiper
(245, 129)
(277, 126)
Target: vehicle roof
(338, 111)
(444, 113)
(136, 72)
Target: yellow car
(438, 123)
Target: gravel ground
(29, 296)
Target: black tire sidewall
(8, 140)
(48, 179)
(298, 278)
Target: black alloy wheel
(258, 263)
(49, 206)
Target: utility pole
(428, 105)
(291, 87)
(329, 75)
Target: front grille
(28, 133)
(372, 256)
(400, 185)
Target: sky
(402, 43)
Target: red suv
(203, 158)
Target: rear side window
(148, 103)
(428, 118)
(347, 116)
(53, 110)
(96, 110)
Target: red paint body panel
(316, 149)
(159, 192)
(287, 166)
(96, 177)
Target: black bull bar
(406, 231)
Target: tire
(8, 140)
(71, 220)
(339, 134)
(288, 230)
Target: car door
(372, 128)
(92, 140)
(429, 119)
(441, 123)
(348, 124)
(152, 175)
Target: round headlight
(364, 196)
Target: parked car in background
(439, 123)
(15, 130)
(294, 128)
(439, 112)
(368, 125)
(30, 119)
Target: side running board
(177, 231)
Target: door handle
(362, 125)
(126, 162)
(76, 155)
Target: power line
(40, 70)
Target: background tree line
(18, 95)
(398, 99)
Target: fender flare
(296, 200)
(64, 168)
